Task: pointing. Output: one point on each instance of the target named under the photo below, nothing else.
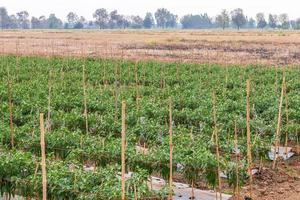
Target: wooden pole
(10, 105)
(171, 150)
(237, 160)
(287, 120)
(44, 178)
(215, 133)
(85, 100)
(123, 149)
(137, 85)
(249, 154)
(277, 136)
(135, 192)
(49, 102)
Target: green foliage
(108, 82)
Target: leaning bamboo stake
(249, 154)
(85, 100)
(10, 105)
(171, 151)
(277, 136)
(215, 133)
(237, 160)
(123, 149)
(44, 178)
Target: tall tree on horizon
(273, 21)
(165, 19)
(148, 20)
(4, 18)
(72, 19)
(223, 19)
(261, 21)
(22, 18)
(238, 18)
(101, 17)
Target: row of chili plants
(56, 84)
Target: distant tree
(137, 22)
(297, 24)
(284, 21)
(223, 19)
(35, 23)
(80, 23)
(251, 23)
(261, 21)
(196, 21)
(101, 17)
(114, 19)
(4, 18)
(273, 21)
(165, 19)
(43, 21)
(72, 19)
(39, 23)
(122, 21)
(54, 22)
(148, 20)
(238, 18)
(22, 18)
(13, 22)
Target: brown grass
(200, 46)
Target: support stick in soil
(44, 179)
(10, 114)
(217, 145)
(171, 151)
(277, 136)
(123, 149)
(249, 154)
(85, 100)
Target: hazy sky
(179, 7)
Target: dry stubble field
(200, 46)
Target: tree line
(162, 18)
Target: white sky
(180, 7)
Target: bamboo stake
(237, 160)
(287, 120)
(135, 193)
(137, 85)
(193, 191)
(298, 146)
(85, 100)
(215, 133)
(171, 150)
(10, 104)
(123, 149)
(277, 136)
(49, 102)
(249, 154)
(44, 178)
